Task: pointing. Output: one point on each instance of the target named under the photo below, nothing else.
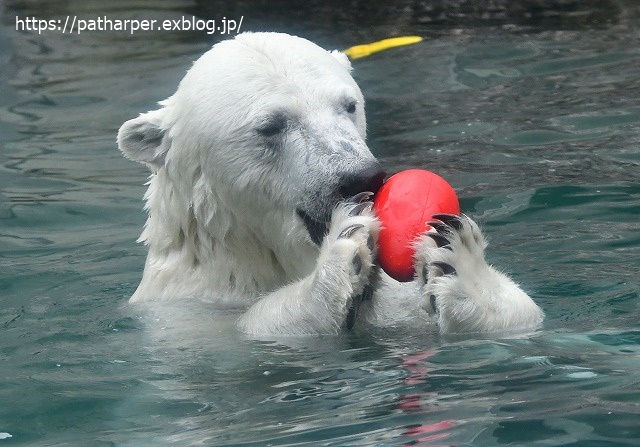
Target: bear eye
(273, 125)
(351, 107)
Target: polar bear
(260, 198)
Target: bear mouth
(317, 230)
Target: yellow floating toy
(367, 49)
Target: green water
(537, 128)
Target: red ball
(404, 205)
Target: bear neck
(199, 248)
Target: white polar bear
(258, 198)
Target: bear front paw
(458, 285)
(346, 266)
(452, 242)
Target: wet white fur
(222, 200)
(477, 298)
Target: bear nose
(368, 179)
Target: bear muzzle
(369, 179)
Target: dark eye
(273, 125)
(351, 107)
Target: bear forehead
(258, 71)
(268, 59)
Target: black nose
(368, 179)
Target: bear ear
(143, 140)
(342, 58)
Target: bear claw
(348, 232)
(442, 228)
(451, 220)
(440, 240)
(447, 269)
(425, 273)
(434, 304)
(361, 197)
(359, 208)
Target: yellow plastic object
(367, 49)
